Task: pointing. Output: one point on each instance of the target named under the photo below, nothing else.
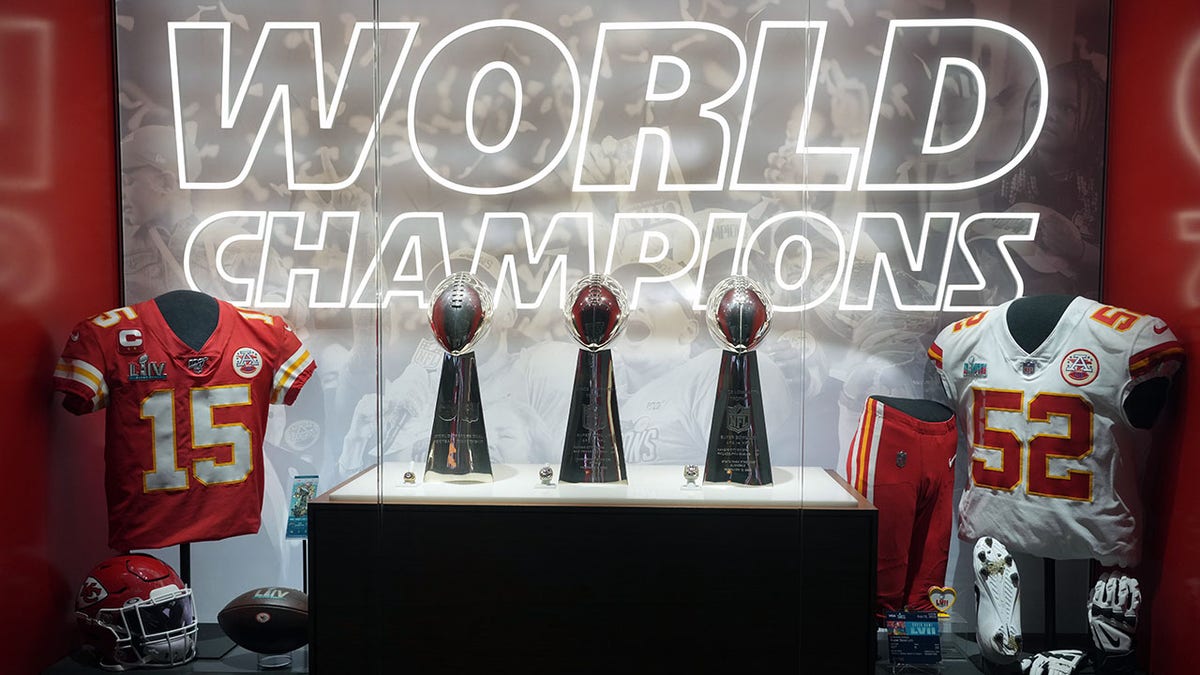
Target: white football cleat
(1055, 662)
(997, 602)
(1113, 613)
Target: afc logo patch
(247, 362)
(1079, 367)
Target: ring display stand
(274, 661)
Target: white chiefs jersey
(1053, 458)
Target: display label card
(914, 637)
(304, 488)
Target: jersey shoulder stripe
(1147, 360)
(81, 377)
(291, 376)
(935, 355)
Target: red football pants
(905, 467)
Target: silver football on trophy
(596, 309)
(460, 312)
(738, 313)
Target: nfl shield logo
(1027, 367)
(592, 422)
(901, 459)
(737, 419)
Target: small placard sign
(914, 637)
(304, 488)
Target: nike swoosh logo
(1110, 639)
(1160, 329)
(1107, 636)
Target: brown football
(268, 620)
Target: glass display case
(629, 320)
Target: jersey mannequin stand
(1030, 321)
(193, 317)
(922, 409)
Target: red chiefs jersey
(1053, 457)
(184, 427)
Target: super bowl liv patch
(974, 369)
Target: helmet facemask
(158, 632)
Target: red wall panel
(1152, 264)
(58, 263)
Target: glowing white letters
(773, 35)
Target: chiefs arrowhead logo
(90, 593)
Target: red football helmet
(135, 612)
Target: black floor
(960, 656)
(216, 654)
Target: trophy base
(737, 447)
(435, 477)
(735, 484)
(458, 448)
(592, 450)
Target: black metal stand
(211, 641)
(1049, 603)
(185, 563)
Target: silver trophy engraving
(738, 315)
(459, 316)
(595, 312)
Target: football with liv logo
(269, 620)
